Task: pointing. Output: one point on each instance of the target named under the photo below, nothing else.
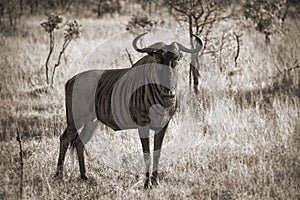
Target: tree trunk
(267, 38)
(194, 60)
(99, 8)
(118, 7)
(21, 7)
(150, 7)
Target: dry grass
(223, 149)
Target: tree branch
(129, 57)
(180, 9)
(296, 66)
(21, 162)
(220, 51)
(237, 37)
(49, 55)
(215, 20)
(65, 45)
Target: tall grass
(217, 147)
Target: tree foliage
(267, 16)
(140, 21)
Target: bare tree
(200, 16)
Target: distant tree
(200, 15)
(107, 6)
(267, 16)
(10, 13)
(50, 26)
(146, 5)
(72, 32)
(140, 21)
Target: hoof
(84, 177)
(58, 175)
(147, 184)
(154, 181)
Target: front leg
(158, 140)
(144, 136)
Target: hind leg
(80, 147)
(65, 140)
(85, 135)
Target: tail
(73, 142)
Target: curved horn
(196, 50)
(149, 49)
(135, 41)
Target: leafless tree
(200, 16)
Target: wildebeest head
(167, 54)
(163, 58)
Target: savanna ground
(240, 144)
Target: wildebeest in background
(141, 97)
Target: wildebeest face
(169, 56)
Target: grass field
(226, 146)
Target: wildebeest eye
(180, 55)
(177, 56)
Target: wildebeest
(141, 97)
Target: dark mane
(146, 60)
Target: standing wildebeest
(141, 97)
